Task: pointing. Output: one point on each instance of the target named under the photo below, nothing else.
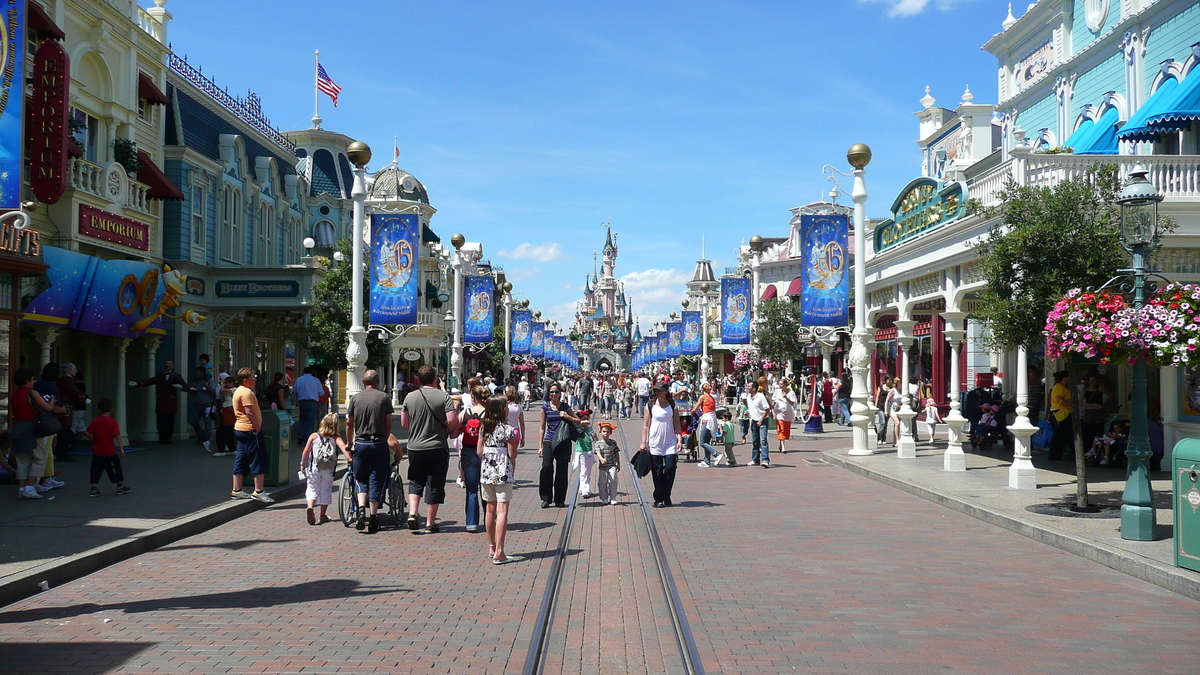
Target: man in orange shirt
(251, 457)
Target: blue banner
(825, 282)
(395, 239)
(675, 339)
(477, 305)
(12, 101)
(537, 340)
(692, 334)
(118, 298)
(522, 331)
(735, 311)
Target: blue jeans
(372, 465)
(470, 463)
(761, 451)
(710, 453)
(845, 403)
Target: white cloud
(913, 7)
(541, 252)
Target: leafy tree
(325, 339)
(776, 335)
(1046, 242)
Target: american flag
(327, 85)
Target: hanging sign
(825, 282)
(477, 304)
(49, 122)
(12, 105)
(522, 331)
(394, 241)
(735, 311)
(923, 205)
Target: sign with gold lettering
(12, 73)
(48, 126)
(923, 205)
(113, 228)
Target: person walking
(200, 403)
(662, 437)
(167, 386)
(429, 415)
(783, 404)
(758, 409)
(251, 456)
(308, 391)
(368, 423)
(496, 449)
(555, 451)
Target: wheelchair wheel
(396, 497)
(347, 500)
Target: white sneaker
(702, 464)
(262, 497)
(28, 493)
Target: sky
(684, 124)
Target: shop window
(86, 131)
(197, 229)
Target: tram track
(540, 644)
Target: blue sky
(531, 123)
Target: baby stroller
(987, 431)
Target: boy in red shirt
(106, 440)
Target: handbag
(44, 423)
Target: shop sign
(48, 122)
(113, 228)
(195, 287)
(258, 289)
(923, 205)
(12, 100)
(412, 355)
(23, 242)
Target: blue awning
(1136, 129)
(1102, 137)
(1182, 108)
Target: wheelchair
(395, 502)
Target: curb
(1165, 576)
(59, 571)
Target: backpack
(324, 453)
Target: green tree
(1046, 242)
(776, 330)
(325, 338)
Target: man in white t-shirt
(643, 393)
(759, 409)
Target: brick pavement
(810, 568)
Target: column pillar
(906, 447)
(150, 433)
(47, 336)
(955, 459)
(121, 403)
(1022, 475)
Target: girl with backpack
(318, 462)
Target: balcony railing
(1177, 177)
(90, 178)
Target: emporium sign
(923, 205)
(48, 122)
(113, 228)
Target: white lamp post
(859, 156)
(356, 348)
(456, 347)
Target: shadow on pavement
(86, 658)
(230, 545)
(254, 598)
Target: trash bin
(277, 430)
(1185, 481)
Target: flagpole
(316, 118)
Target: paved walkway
(804, 567)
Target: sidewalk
(1042, 514)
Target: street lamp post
(1139, 235)
(859, 157)
(456, 347)
(356, 348)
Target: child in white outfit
(318, 462)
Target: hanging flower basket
(1096, 325)
(1170, 325)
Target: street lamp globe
(1139, 210)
